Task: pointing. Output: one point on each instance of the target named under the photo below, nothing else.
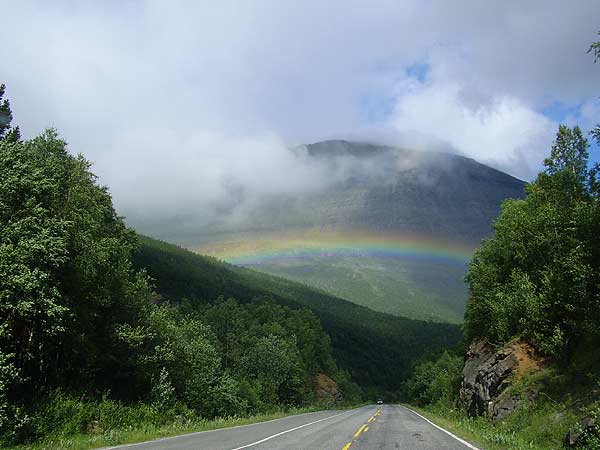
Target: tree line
(81, 325)
(537, 278)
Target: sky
(176, 102)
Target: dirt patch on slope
(529, 361)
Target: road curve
(366, 428)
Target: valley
(299, 225)
(394, 232)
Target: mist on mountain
(337, 184)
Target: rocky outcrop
(326, 390)
(489, 371)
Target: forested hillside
(376, 348)
(102, 330)
(86, 346)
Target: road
(366, 428)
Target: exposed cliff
(489, 371)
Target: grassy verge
(148, 431)
(541, 427)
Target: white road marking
(287, 431)
(194, 433)
(462, 441)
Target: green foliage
(376, 349)
(590, 439)
(85, 344)
(64, 260)
(136, 422)
(176, 349)
(539, 426)
(539, 275)
(63, 415)
(552, 404)
(6, 132)
(163, 392)
(415, 289)
(68, 282)
(435, 381)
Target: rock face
(489, 371)
(326, 390)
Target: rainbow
(265, 249)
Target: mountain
(442, 195)
(377, 349)
(391, 229)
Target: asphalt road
(366, 428)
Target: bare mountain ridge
(438, 194)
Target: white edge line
(287, 431)
(194, 433)
(462, 441)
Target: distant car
(380, 402)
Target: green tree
(595, 171)
(436, 380)
(33, 247)
(539, 274)
(595, 50)
(67, 279)
(275, 362)
(6, 131)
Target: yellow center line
(360, 430)
(363, 428)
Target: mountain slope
(438, 194)
(385, 204)
(377, 349)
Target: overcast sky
(169, 97)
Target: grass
(147, 431)
(552, 402)
(535, 426)
(413, 289)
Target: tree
(33, 247)
(6, 132)
(67, 278)
(436, 380)
(539, 274)
(595, 49)
(595, 172)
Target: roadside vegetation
(108, 423)
(557, 402)
(88, 346)
(109, 337)
(537, 279)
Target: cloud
(214, 172)
(221, 181)
(181, 104)
(501, 131)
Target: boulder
(488, 371)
